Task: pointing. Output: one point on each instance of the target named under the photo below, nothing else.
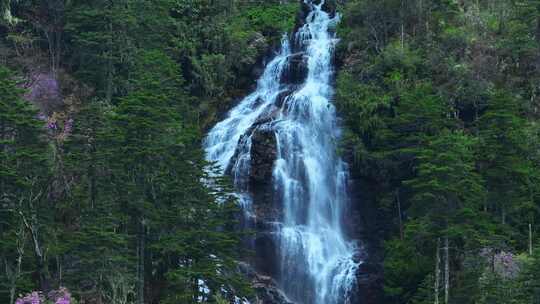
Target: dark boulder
(329, 6)
(266, 290)
(302, 15)
(297, 69)
(363, 223)
(263, 155)
(258, 181)
(369, 284)
(266, 252)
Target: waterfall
(309, 178)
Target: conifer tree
(24, 176)
(504, 157)
(95, 248)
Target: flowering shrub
(51, 125)
(31, 298)
(60, 296)
(43, 90)
(68, 126)
(59, 125)
(504, 264)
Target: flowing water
(309, 179)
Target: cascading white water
(310, 180)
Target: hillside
(270, 152)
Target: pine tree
(101, 35)
(529, 284)
(447, 195)
(24, 174)
(95, 247)
(505, 162)
(179, 230)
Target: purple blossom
(505, 264)
(51, 125)
(60, 296)
(65, 298)
(68, 126)
(32, 298)
(43, 89)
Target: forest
(106, 196)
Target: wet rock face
(266, 290)
(258, 181)
(297, 70)
(266, 295)
(329, 6)
(263, 264)
(265, 260)
(369, 283)
(363, 223)
(263, 155)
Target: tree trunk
(58, 50)
(21, 241)
(38, 251)
(3, 149)
(538, 23)
(141, 251)
(402, 17)
(41, 267)
(93, 189)
(530, 240)
(437, 271)
(109, 89)
(400, 220)
(493, 261)
(446, 271)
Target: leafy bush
(272, 20)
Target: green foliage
(120, 204)
(24, 173)
(271, 19)
(364, 104)
(404, 267)
(528, 283)
(438, 98)
(504, 158)
(446, 188)
(210, 75)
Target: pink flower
(64, 297)
(33, 298)
(62, 301)
(60, 296)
